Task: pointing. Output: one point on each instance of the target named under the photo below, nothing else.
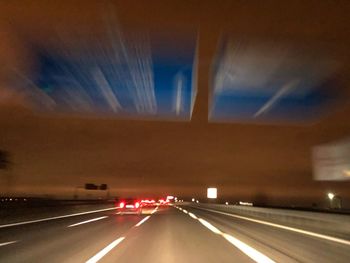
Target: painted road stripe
(248, 250)
(245, 248)
(56, 217)
(105, 251)
(297, 230)
(142, 221)
(209, 226)
(154, 210)
(88, 221)
(192, 215)
(7, 243)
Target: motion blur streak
(185, 211)
(104, 251)
(88, 221)
(56, 217)
(305, 232)
(142, 221)
(7, 243)
(249, 251)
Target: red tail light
(121, 204)
(137, 205)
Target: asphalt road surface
(161, 234)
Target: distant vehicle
(148, 202)
(129, 205)
(163, 201)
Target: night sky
(52, 154)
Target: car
(163, 201)
(148, 202)
(129, 205)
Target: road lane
(26, 222)
(170, 236)
(165, 234)
(279, 244)
(54, 241)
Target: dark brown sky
(54, 154)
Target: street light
(330, 196)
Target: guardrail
(325, 222)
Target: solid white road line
(56, 217)
(297, 230)
(248, 250)
(192, 215)
(104, 251)
(142, 221)
(7, 243)
(245, 248)
(210, 226)
(88, 221)
(154, 210)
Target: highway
(162, 234)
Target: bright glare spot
(226, 203)
(197, 201)
(330, 196)
(193, 199)
(122, 204)
(212, 193)
(185, 211)
(249, 251)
